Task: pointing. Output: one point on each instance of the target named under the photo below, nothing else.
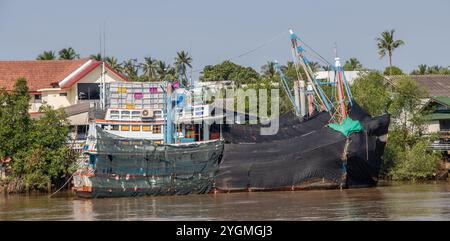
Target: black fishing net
(304, 154)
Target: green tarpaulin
(347, 127)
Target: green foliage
(15, 119)
(415, 163)
(393, 70)
(387, 44)
(46, 55)
(407, 156)
(68, 53)
(352, 64)
(182, 61)
(230, 71)
(371, 91)
(423, 69)
(37, 147)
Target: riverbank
(389, 201)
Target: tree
(97, 57)
(37, 147)
(149, 68)
(371, 91)
(68, 53)
(393, 70)
(14, 118)
(47, 158)
(352, 64)
(46, 55)
(407, 154)
(421, 70)
(228, 70)
(131, 69)
(269, 70)
(113, 63)
(164, 71)
(182, 61)
(315, 66)
(387, 44)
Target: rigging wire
(276, 37)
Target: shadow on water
(393, 202)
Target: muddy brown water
(429, 201)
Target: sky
(213, 31)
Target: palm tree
(352, 64)
(182, 61)
(131, 69)
(387, 44)
(149, 67)
(421, 70)
(269, 70)
(315, 66)
(97, 57)
(47, 55)
(113, 63)
(164, 71)
(68, 53)
(326, 68)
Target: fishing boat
(327, 141)
(161, 139)
(132, 149)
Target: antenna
(104, 41)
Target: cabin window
(135, 115)
(88, 91)
(198, 111)
(115, 127)
(125, 114)
(114, 114)
(125, 128)
(157, 142)
(63, 94)
(158, 114)
(146, 128)
(136, 128)
(157, 129)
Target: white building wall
(432, 127)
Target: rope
(70, 178)
(252, 50)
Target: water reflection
(396, 202)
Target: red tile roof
(39, 73)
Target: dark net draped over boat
(139, 167)
(303, 154)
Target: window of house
(157, 142)
(125, 128)
(146, 128)
(63, 94)
(88, 91)
(115, 127)
(37, 98)
(157, 129)
(136, 128)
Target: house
(438, 102)
(68, 84)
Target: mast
(301, 61)
(340, 89)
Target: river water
(391, 202)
